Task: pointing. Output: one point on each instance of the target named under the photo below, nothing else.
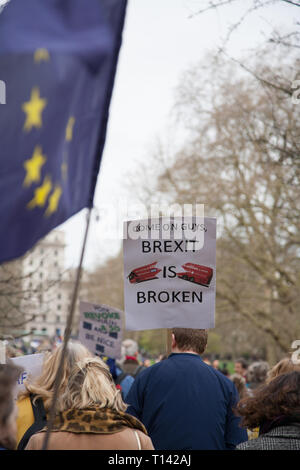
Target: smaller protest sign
(32, 367)
(100, 329)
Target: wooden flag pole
(67, 335)
(169, 341)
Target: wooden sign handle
(169, 342)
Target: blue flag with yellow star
(58, 61)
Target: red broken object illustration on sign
(196, 273)
(144, 273)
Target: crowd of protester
(182, 401)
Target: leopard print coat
(95, 420)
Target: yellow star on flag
(40, 194)
(41, 54)
(33, 166)
(69, 128)
(33, 110)
(53, 201)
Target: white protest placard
(170, 282)
(100, 329)
(32, 367)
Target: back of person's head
(163, 357)
(129, 348)
(9, 374)
(242, 362)
(206, 360)
(280, 397)
(225, 371)
(240, 383)
(43, 385)
(284, 366)
(90, 384)
(189, 339)
(257, 372)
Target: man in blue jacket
(184, 403)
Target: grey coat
(280, 438)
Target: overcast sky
(161, 39)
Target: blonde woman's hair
(43, 386)
(90, 384)
(284, 366)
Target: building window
(41, 275)
(59, 307)
(59, 296)
(57, 319)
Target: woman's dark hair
(281, 397)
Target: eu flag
(58, 61)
